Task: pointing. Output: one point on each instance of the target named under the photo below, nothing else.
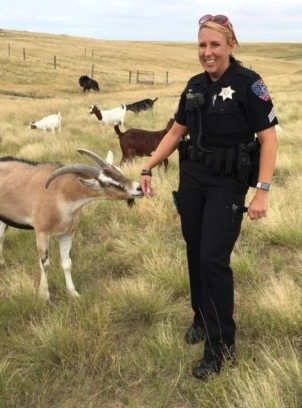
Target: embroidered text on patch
(259, 88)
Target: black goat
(142, 105)
(88, 83)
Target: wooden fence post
(129, 77)
(92, 70)
(54, 62)
(23, 54)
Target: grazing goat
(48, 198)
(139, 142)
(109, 117)
(88, 83)
(142, 105)
(51, 122)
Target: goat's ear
(109, 158)
(90, 183)
(119, 169)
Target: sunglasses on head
(219, 19)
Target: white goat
(33, 196)
(115, 116)
(51, 122)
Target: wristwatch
(263, 186)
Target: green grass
(120, 344)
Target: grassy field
(120, 344)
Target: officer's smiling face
(214, 52)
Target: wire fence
(137, 76)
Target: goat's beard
(131, 202)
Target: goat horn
(74, 168)
(94, 156)
(103, 163)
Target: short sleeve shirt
(236, 107)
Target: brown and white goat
(140, 142)
(48, 198)
(110, 117)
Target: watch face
(265, 186)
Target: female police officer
(220, 110)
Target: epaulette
(249, 73)
(198, 81)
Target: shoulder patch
(259, 89)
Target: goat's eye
(107, 184)
(121, 187)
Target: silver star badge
(226, 93)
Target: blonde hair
(226, 30)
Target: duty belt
(222, 160)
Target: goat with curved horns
(48, 198)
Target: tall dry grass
(121, 343)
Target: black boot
(195, 334)
(203, 370)
(212, 362)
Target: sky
(154, 20)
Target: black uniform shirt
(236, 107)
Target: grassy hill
(120, 344)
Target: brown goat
(140, 142)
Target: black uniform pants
(210, 230)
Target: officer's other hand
(258, 206)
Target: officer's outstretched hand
(145, 183)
